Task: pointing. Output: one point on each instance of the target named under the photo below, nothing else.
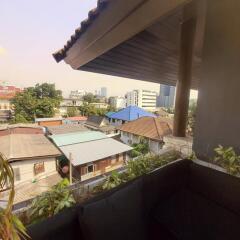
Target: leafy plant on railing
(227, 158)
(52, 202)
(139, 149)
(11, 228)
(112, 181)
(136, 168)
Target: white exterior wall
(129, 139)
(142, 98)
(26, 168)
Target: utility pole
(70, 168)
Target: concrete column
(184, 79)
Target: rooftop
(131, 113)
(90, 151)
(66, 128)
(77, 137)
(26, 146)
(149, 127)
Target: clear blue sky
(31, 30)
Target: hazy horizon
(32, 30)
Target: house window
(90, 168)
(39, 168)
(16, 172)
(117, 158)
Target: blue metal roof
(131, 113)
(108, 114)
(77, 137)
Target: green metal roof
(77, 137)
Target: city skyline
(39, 30)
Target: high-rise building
(103, 92)
(142, 98)
(166, 96)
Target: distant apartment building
(103, 92)
(69, 102)
(166, 96)
(142, 98)
(117, 102)
(77, 94)
(7, 93)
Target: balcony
(182, 200)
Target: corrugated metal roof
(87, 152)
(48, 119)
(66, 128)
(149, 127)
(77, 137)
(131, 113)
(22, 146)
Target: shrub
(51, 202)
(227, 158)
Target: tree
(89, 98)
(38, 101)
(72, 111)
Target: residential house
(117, 102)
(6, 94)
(91, 153)
(101, 124)
(54, 121)
(33, 159)
(128, 114)
(151, 130)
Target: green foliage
(19, 119)
(112, 181)
(11, 228)
(135, 168)
(139, 149)
(51, 202)
(192, 116)
(88, 110)
(38, 101)
(90, 98)
(72, 111)
(227, 158)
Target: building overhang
(117, 40)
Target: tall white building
(77, 94)
(117, 102)
(142, 98)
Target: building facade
(145, 99)
(77, 94)
(166, 96)
(117, 102)
(103, 92)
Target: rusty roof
(149, 127)
(92, 15)
(27, 146)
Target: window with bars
(39, 168)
